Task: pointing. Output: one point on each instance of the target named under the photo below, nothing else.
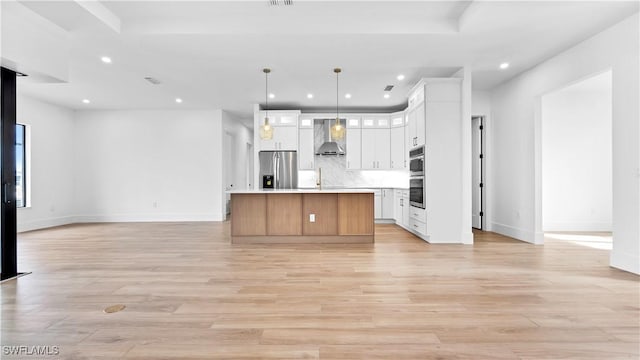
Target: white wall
(516, 154)
(51, 171)
(149, 165)
(576, 157)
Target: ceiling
(211, 53)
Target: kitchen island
(295, 216)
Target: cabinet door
(397, 148)
(405, 209)
(377, 205)
(369, 148)
(354, 148)
(411, 129)
(397, 206)
(387, 204)
(305, 152)
(420, 124)
(286, 137)
(268, 145)
(383, 148)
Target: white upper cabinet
(416, 119)
(398, 150)
(306, 153)
(306, 122)
(354, 147)
(285, 130)
(354, 122)
(376, 148)
(375, 121)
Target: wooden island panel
(355, 214)
(283, 218)
(284, 214)
(325, 207)
(248, 215)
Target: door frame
(8, 211)
(482, 185)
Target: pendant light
(337, 130)
(266, 130)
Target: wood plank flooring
(190, 294)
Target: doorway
(576, 162)
(229, 168)
(477, 172)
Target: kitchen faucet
(319, 179)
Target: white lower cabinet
(418, 220)
(418, 226)
(405, 208)
(397, 207)
(377, 204)
(387, 204)
(402, 207)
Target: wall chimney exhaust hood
(329, 147)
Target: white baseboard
(44, 223)
(467, 238)
(66, 220)
(578, 226)
(517, 233)
(142, 217)
(625, 261)
(384, 221)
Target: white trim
(624, 261)
(146, 217)
(518, 233)
(44, 223)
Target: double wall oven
(417, 194)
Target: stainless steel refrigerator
(278, 169)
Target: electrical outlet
(312, 218)
(155, 204)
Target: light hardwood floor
(190, 294)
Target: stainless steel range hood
(329, 147)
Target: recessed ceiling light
(400, 77)
(348, 96)
(309, 96)
(86, 101)
(386, 96)
(179, 101)
(504, 65)
(106, 59)
(271, 96)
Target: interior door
(476, 172)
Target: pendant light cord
(266, 96)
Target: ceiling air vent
(280, 2)
(152, 80)
(388, 88)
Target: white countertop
(300, 191)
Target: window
(21, 166)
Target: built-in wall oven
(416, 161)
(417, 194)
